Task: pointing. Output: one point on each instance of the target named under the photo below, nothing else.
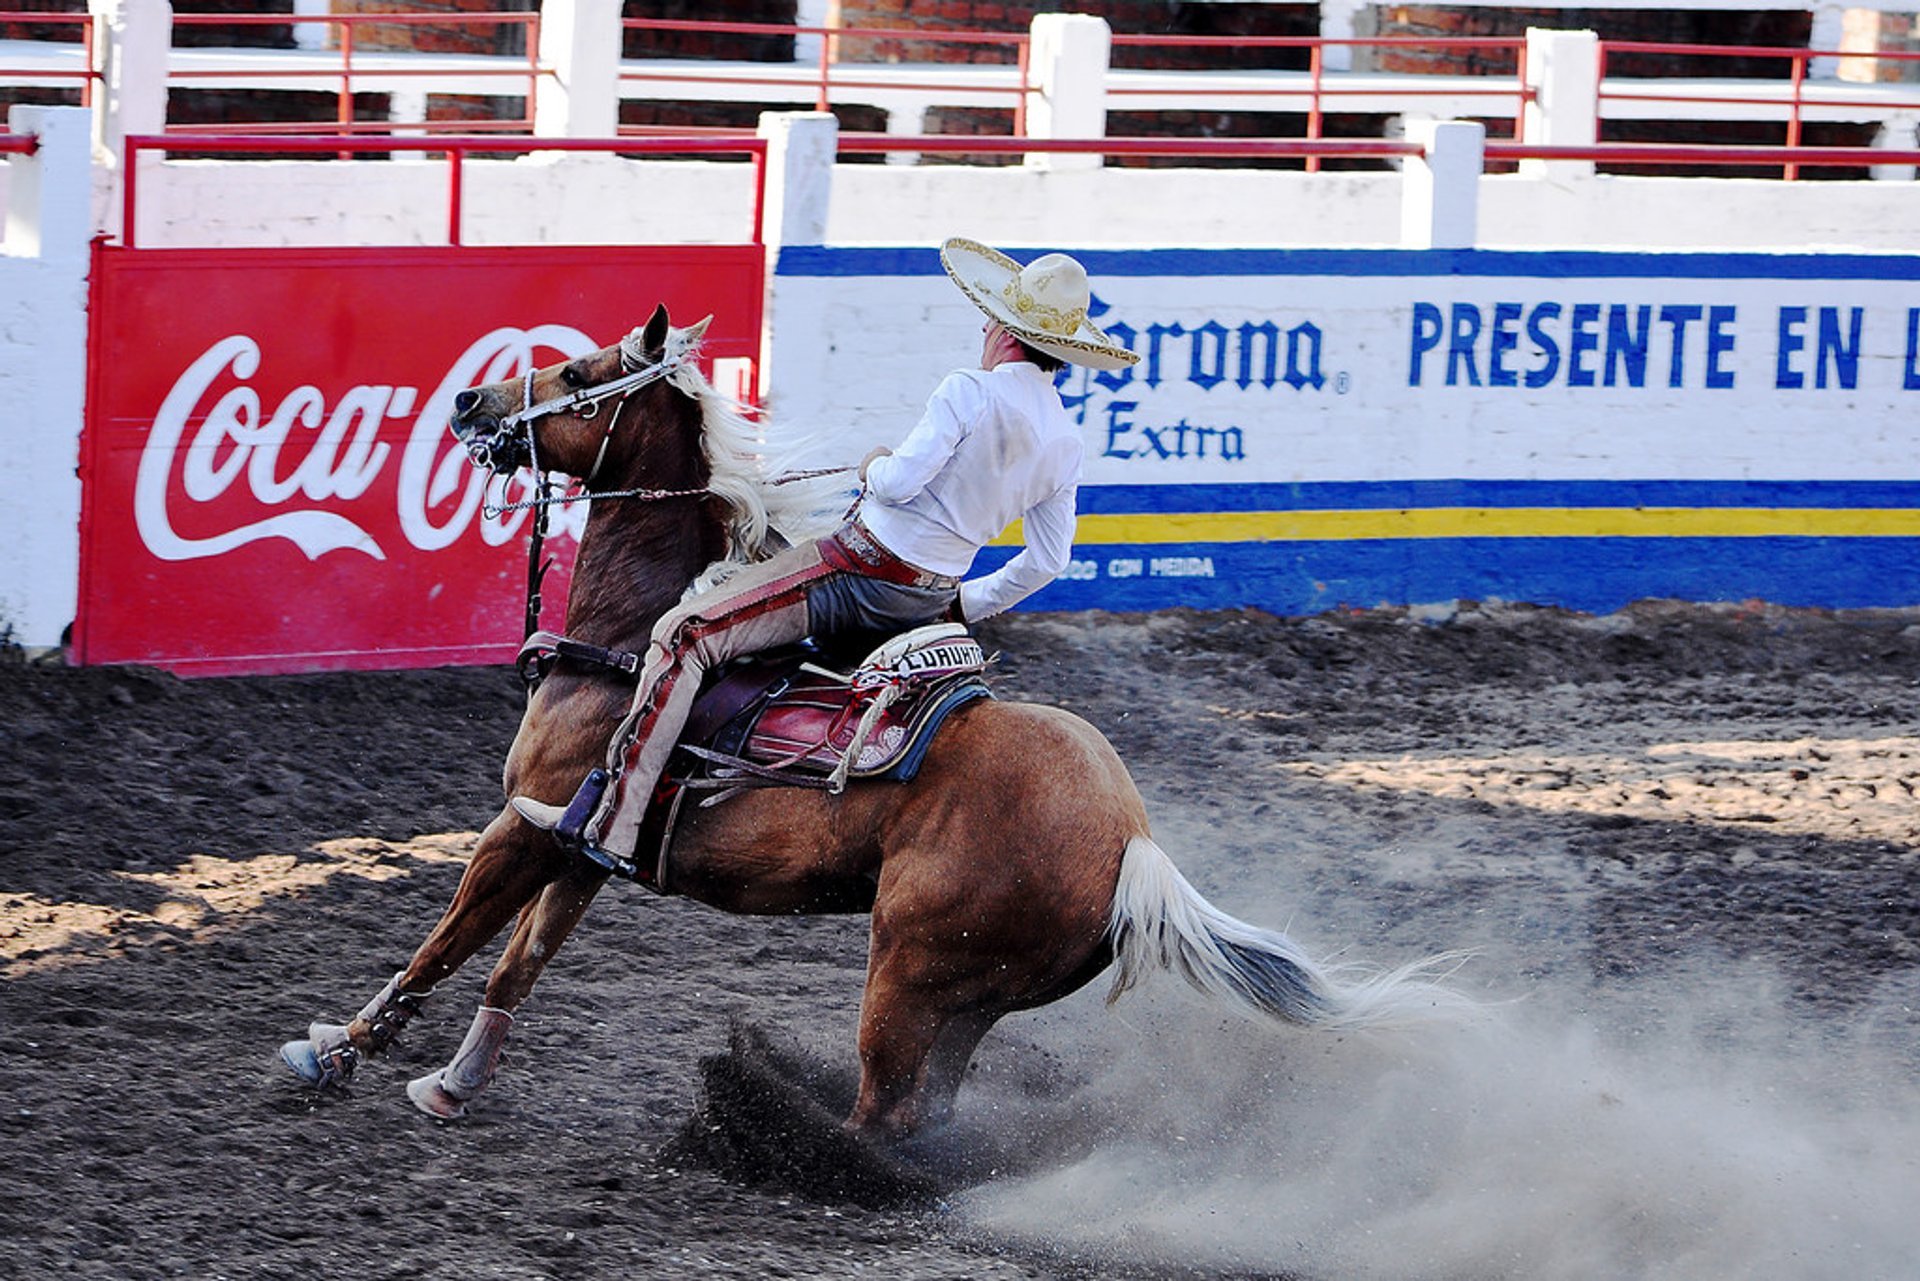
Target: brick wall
(1783, 30)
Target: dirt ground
(1681, 842)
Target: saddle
(786, 719)
(797, 716)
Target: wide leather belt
(862, 551)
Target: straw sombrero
(1043, 304)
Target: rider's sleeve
(952, 408)
(1048, 526)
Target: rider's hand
(878, 451)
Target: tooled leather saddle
(797, 716)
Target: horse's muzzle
(479, 429)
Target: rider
(994, 445)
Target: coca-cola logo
(302, 459)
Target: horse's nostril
(464, 402)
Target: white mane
(765, 516)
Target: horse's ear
(653, 340)
(697, 330)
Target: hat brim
(983, 275)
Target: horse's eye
(571, 376)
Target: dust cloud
(1700, 1131)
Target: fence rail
(85, 74)
(925, 77)
(456, 148)
(18, 144)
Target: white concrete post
(1828, 31)
(134, 40)
(906, 121)
(1336, 23)
(579, 97)
(1068, 74)
(812, 13)
(311, 35)
(801, 147)
(1563, 71)
(1896, 133)
(1440, 193)
(43, 363)
(50, 193)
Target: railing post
(580, 44)
(1440, 192)
(1563, 72)
(1069, 78)
(135, 39)
(43, 364)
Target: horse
(1015, 868)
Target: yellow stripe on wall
(1493, 522)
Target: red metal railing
(18, 144)
(348, 73)
(826, 78)
(1295, 148)
(1667, 153)
(86, 75)
(1798, 97)
(455, 147)
(1319, 92)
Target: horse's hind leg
(507, 870)
(544, 925)
(947, 1064)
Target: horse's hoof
(302, 1061)
(326, 1059)
(432, 1098)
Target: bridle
(511, 445)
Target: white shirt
(993, 447)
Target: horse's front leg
(511, 864)
(544, 925)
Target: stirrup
(569, 827)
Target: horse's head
(627, 414)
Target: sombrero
(1043, 304)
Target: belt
(860, 551)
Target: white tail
(1160, 920)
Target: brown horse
(1013, 870)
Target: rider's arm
(1048, 526)
(898, 476)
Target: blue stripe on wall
(1375, 495)
(818, 261)
(1592, 575)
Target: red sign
(268, 480)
